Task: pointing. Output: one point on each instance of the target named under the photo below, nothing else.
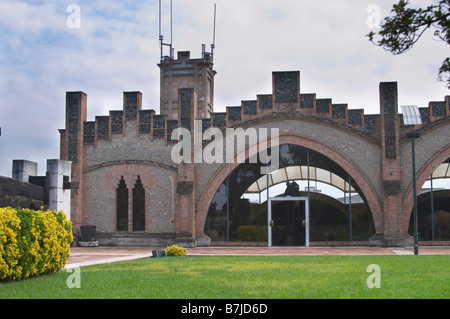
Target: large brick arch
(346, 163)
(424, 173)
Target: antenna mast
(161, 37)
(213, 45)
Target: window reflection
(235, 215)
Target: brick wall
(137, 142)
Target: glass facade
(433, 206)
(338, 211)
(433, 226)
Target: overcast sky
(45, 51)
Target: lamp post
(411, 116)
(413, 136)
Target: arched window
(138, 206)
(337, 208)
(122, 206)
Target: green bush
(32, 242)
(175, 250)
(256, 232)
(252, 233)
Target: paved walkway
(87, 256)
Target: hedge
(175, 250)
(32, 242)
(255, 232)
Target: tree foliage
(400, 31)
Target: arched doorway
(338, 209)
(433, 206)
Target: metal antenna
(171, 33)
(161, 37)
(213, 45)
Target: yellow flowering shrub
(38, 243)
(175, 250)
(9, 249)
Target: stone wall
(26, 190)
(16, 193)
(129, 155)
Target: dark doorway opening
(288, 223)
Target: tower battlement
(182, 73)
(285, 100)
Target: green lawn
(287, 277)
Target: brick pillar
(132, 104)
(72, 141)
(185, 192)
(286, 90)
(390, 164)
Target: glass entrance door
(288, 221)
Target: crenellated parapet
(105, 127)
(286, 100)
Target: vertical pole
(350, 205)
(160, 18)
(416, 234)
(307, 164)
(228, 208)
(432, 207)
(307, 223)
(269, 222)
(269, 208)
(160, 30)
(214, 28)
(307, 206)
(213, 45)
(171, 33)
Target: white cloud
(116, 49)
(30, 18)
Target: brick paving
(86, 256)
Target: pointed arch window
(122, 206)
(138, 206)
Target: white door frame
(290, 199)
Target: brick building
(126, 182)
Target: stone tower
(182, 73)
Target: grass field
(262, 277)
